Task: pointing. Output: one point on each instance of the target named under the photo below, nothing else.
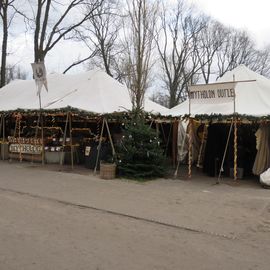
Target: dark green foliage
(140, 155)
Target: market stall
(232, 110)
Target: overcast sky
(252, 16)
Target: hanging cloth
(182, 141)
(262, 160)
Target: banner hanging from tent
(39, 72)
(212, 93)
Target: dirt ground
(53, 219)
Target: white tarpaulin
(265, 178)
(92, 91)
(211, 93)
(252, 98)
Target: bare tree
(55, 21)
(7, 13)
(15, 72)
(237, 48)
(211, 39)
(160, 98)
(261, 62)
(139, 37)
(101, 35)
(105, 28)
(176, 43)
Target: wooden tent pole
(190, 148)
(2, 143)
(174, 142)
(64, 142)
(157, 128)
(110, 138)
(151, 124)
(225, 151)
(4, 135)
(36, 135)
(189, 138)
(42, 130)
(235, 135)
(42, 138)
(99, 144)
(1, 124)
(168, 141)
(235, 149)
(70, 135)
(201, 146)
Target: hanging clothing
(262, 160)
(182, 141)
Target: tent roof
(252, 98)
(93, 91)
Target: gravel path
(62, 220)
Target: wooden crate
(107, 170)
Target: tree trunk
(4, 47)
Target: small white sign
(87, 151)
(25, 149)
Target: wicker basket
(107, 170)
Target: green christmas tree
(140, 155)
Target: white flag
(39, 72)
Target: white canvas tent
(252, 98)
(93, 91)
